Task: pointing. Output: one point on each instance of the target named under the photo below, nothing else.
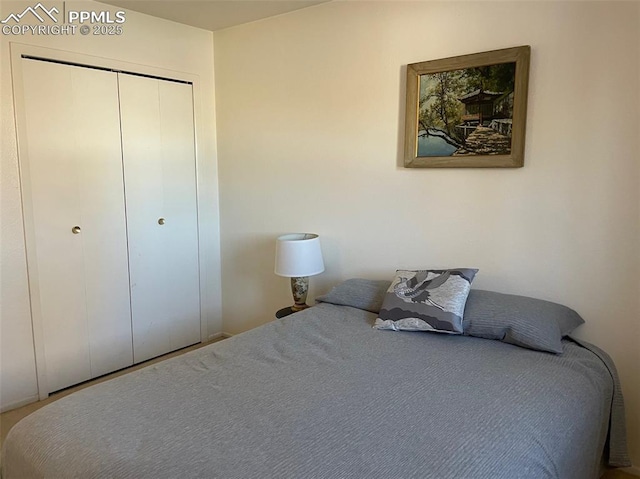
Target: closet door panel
(140, 124)
(181, 247)
(54, 200)
(160, 183)
(104, 228)
(74, 169)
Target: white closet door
(73, 178)
(160, 183)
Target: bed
(322, 394)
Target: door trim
(106, 69)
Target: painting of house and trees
(467, 112)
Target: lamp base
(300, 288)
(299, 307)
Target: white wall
(146, 41)
(310, 127)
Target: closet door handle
(161, 221)
(76, 230)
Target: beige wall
(148, 41)
(310, 126)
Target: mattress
(321, 394)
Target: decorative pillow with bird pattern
(426, 300)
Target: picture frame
(468, 111)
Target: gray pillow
(520, 320)
(426, 300)
(358, 293)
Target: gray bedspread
(321, 394)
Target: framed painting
(468, 111)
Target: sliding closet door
(75, 220)
(160, 183)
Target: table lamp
(298, 256)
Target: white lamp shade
(298, 255)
